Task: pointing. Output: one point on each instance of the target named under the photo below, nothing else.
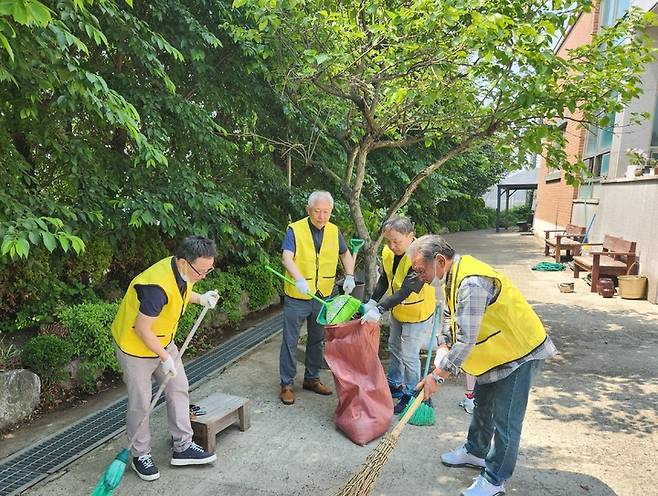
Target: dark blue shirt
(317, 234)
(152, 298)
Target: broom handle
(164, 383)
(290, 281)
(410, 411)
(421, 395)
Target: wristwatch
(437, 378)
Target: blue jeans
(499, 411)
(294, 313)
(404, 342)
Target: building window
(597, 149)
(612, 10)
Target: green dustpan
(339, 309)
(335, 310)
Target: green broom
(425, 414)
(114, 473)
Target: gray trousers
(137, 373)
(294, 313)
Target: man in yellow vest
(311, 249)
(412, 304)
(492, 333)
(143, 331)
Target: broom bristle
(363, 482)
(423, 416)
(111, 478)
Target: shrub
(187, 321)
(87, 376)
(91, 266)
(259, 284)
(89, 325)
(47, 355)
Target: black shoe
(144, 467)
(193, 455)
(399, 408)
(396, 392)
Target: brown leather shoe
(287, 395)
(317, 387)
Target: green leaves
(26, 12)
(19, 235)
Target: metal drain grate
(34, 463)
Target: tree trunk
(370, 270)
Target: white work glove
(302, 286)
(349, 285)
(209, 299)
(372, 315)
(169, 366)
(370, 305)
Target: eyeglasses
(201, 274)
(418, 270)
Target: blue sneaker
(193, 455)
(145, 468)
(402, 404)
(396, 392)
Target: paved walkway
(591, 428)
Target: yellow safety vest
(165, 325)
(510, 328)
(319, 270)
(417, 307)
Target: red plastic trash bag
(365, 406)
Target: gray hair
(429, 246)
(398, 224)
(317, 196)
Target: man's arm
(289, 263)
(143, 326)
(474, 296)
(381, 286)
(348, 263)
(410, 284)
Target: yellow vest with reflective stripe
(319, 270)
(510, 328)
(165, 325)
(418, 306)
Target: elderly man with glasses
(492, 333)
(143, 331)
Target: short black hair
(194, 247)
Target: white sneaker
(467, 404)
(461, 458)
(482, 487)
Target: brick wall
(554, 198)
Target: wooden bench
(567, 240)
(222, 411)
(615, 258)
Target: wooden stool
(222, 411)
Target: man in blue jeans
(412, 304)
(492, 333)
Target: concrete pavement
(590, 428)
